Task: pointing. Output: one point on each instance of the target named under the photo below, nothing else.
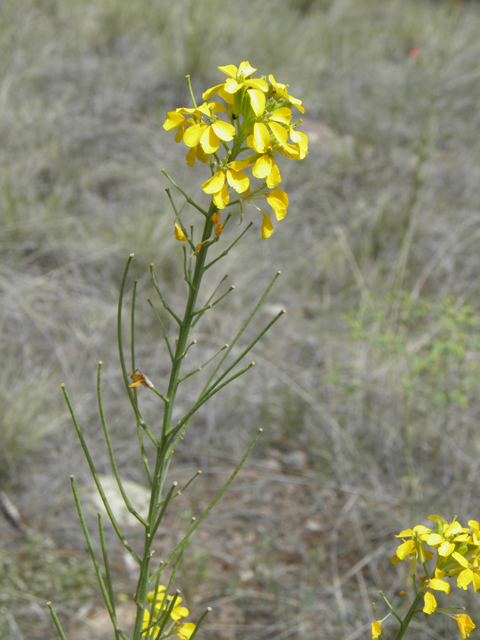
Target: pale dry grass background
(356, 444)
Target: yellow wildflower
(281, 92)
(209, 135)
(235, 178)
(413, 547)
(445, 543)
(465, 624)
(238, 79)
(470, 573)
(376, 629)
(175, 120)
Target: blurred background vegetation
(367, 390)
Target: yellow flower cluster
(457, 556)
(260, 124)
(154, 622)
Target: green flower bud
(439, 527)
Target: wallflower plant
(256, 131)
(456, 551)
(242, 141)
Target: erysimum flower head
(239, 78)
(259, 122)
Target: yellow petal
(446, 548)
(179, 612)
(439, 585)
(263, 166)
(192, 135)
(261, 137)
(215, 183)
(173, 120)
(232, 86)
(439, 573)
(238, 180)
(476, 582)
(257, 100)
(453, 529)
(278, 200)
(283, 115)
(297, 103)
(274, 178)
(238, 165)
(465, 624)
(430, 603)
(185, 631)
(464, 578)
(257, 83)
(220, 89)
(179, 235)
(460, 559)
(224, 130)
(433, 517)
(300, 139)
(404, 549)
(230, 70)
(246, 69)
(191, 155)
(267, 226)
(209, 140)
(376, 629)
(279, 132)
(222, 198)
(434, 539)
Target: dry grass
(383, 218)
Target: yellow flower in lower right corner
(376, 629)
(465, 624)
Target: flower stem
(164, 451)
(408, 618)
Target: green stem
(163, 451)
(408, 618)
